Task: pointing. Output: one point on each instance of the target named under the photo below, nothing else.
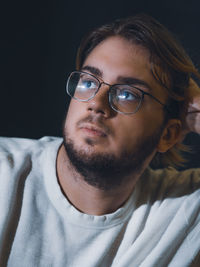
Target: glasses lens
(125, 98)
(82, 86)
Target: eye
(88, 84)
(127, 95)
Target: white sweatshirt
(158, 226)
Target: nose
(100, 103)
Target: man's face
(94, 127)
(115, 59)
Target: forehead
(117, 57)
(120, 55)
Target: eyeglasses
(123, 98)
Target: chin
(96, 160)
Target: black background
(38, 47)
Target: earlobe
(170, 135)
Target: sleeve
(15, 164)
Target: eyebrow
(93, 70)
(120, 79)
(133, 81)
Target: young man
(91, 199)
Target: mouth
(93, 130)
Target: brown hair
(170, 65)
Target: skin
(115, 57)
(192, 122)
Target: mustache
(97, 121)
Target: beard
(107, 171)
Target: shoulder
(173, 191)
(18, 153)
(169, 182)
(171, 199)
(21, 144)
(22, 177)
(14, 146)
(23, 158)
(189, 178)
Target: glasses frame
(109, 94)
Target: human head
(170, 65)
(108, 148)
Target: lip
(93, 130)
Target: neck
(87, 198)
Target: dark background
(37, 51)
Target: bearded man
(91, 199)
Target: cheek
(129, 132)
(76, 109)
(136, 125)
(136, 128)
(71, 116)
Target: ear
(170, 135)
